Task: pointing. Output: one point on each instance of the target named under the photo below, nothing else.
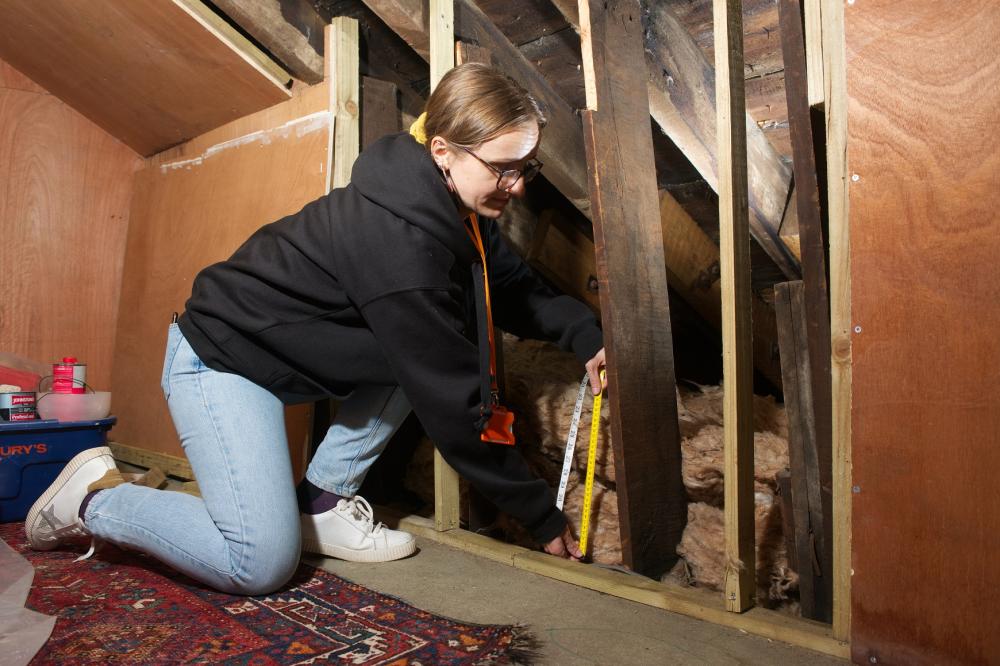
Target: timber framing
(693, 602)
(447, 491)
(835, 106)
(815, 301)
(652, 506)
(679, 81)
(566, 168)
(734, 247)
(569, 164)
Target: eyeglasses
(507, 178)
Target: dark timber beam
(632, 280)
(815, 296)
(409, 18)
(290, 29)
(681, 87)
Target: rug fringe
(525, 649)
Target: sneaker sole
(351, 555)
(72, 466)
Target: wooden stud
(379, 110)
(814, 299)
(442, 35)
(734, 248)
(565, 255)
(442, 58)
(788, 520)
(813, 11)
(835, 106)
(632, 288)
(341, 69)
(806, 498)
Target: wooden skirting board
(700, 604)
(171, 465)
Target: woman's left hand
(594, 367)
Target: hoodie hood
(398, 174)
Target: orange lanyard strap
(472, 227)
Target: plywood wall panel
(65, 186)
(152, 73)
(193, 206)
(925, 237)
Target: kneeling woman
(383, 294)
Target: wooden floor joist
(652, 507)
(734, 247)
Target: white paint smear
(300, 126)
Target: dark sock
(313, 499)
(85, 503)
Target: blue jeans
(242, 535)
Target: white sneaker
(53, 518)
(349, 532)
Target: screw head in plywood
(855, 177)
(857, 329)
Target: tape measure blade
(595, 419)
(571, 443)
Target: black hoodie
(374, 284)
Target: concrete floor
(575, 625)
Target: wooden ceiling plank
(152, 74)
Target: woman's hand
(565, 546)
(594, 367)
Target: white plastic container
(73, 406)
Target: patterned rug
(125, 608)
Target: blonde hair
(474, 103)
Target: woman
(375, 294)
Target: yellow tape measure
(588, 492)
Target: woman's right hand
(565, 546)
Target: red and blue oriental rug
(125, 608)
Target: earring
(447, 179)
